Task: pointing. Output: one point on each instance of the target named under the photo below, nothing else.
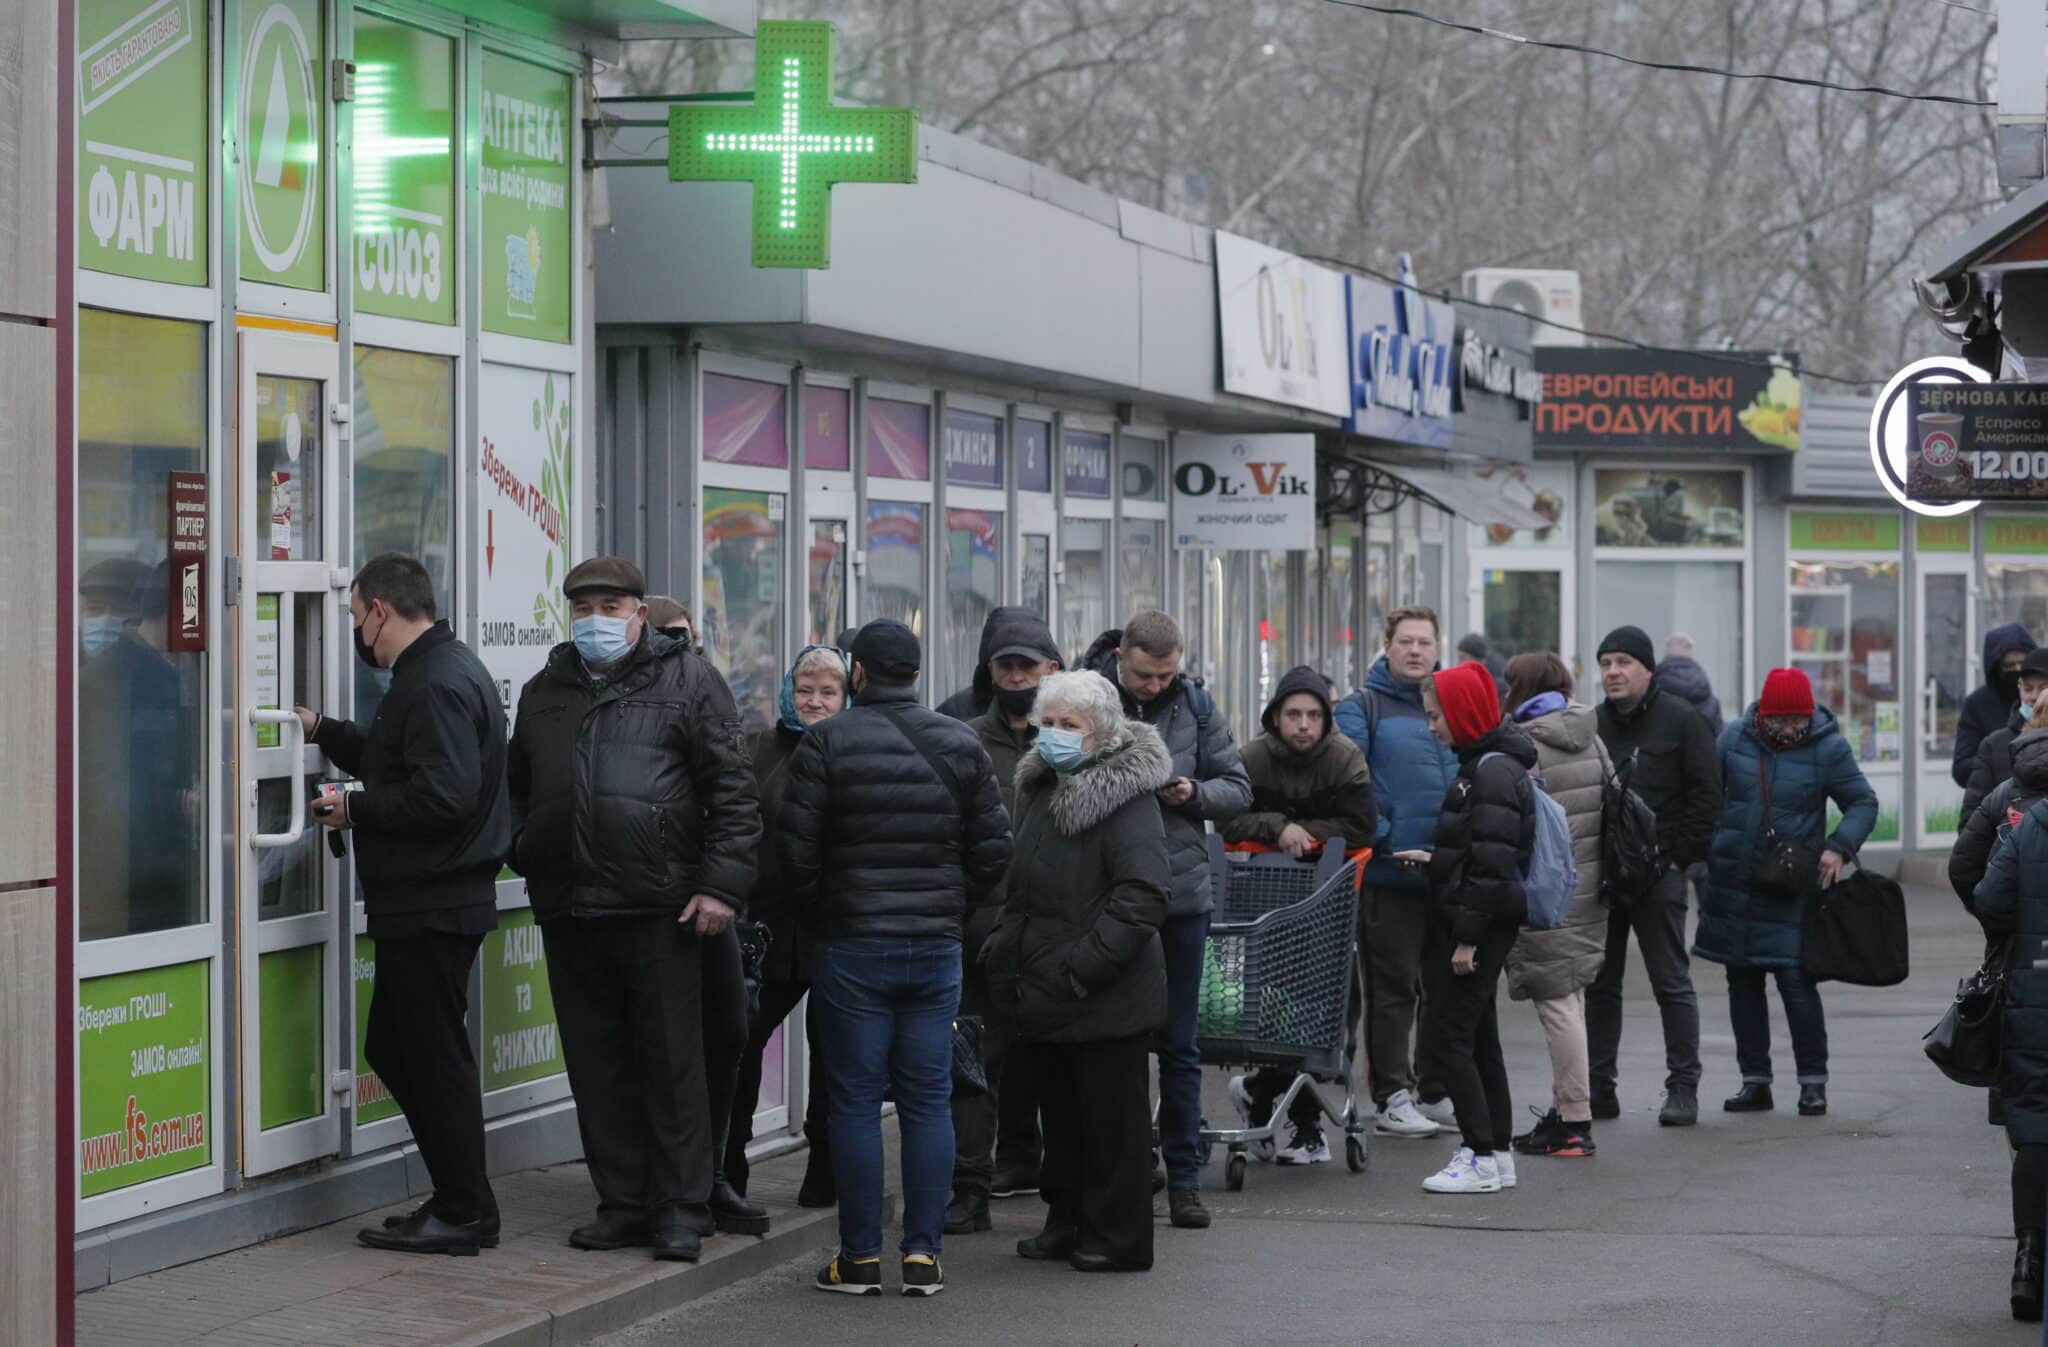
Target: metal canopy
(1471, 500)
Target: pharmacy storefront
(351, 320)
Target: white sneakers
(1242, 1098)
(1466, 1173)
(1306, 1147)
(1400, 1117)
(1443, 1113)
(1504, 1161)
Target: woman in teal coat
(1786, 739)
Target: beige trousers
(1564, 1030)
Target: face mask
(600, 639)
(100, 633)
(2009, 684)
(365, 650)
(1061, 749)
(1016, 701)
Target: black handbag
(1631, 861)
(1855, 932)
(1968, 1041)
(970, 1077)
(755, 938)
(1789, 869)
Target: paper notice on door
(267, 695)
(281, 516)
(1880, 669)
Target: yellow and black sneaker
(922, 1275)
(851, 1276)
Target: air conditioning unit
(1554, 295)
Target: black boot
(1813, 1101)
(967, 1213)
(2026, 1278)
(1753, 1097)
(734, 1214)
(818, 1190)
(1059, 1239)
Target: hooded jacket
(1085, 898)
(2012, 902)
(1676, 771)
(1410, 770)
(1197, 737)
(1006, 746)
(633, 792)
(1988, 707)
(789, 954)
(1737, 926)
(1325, 788)
(1485, 832)
(1993, 764)
(1571, 760)
(1005, 626)
(2005, 805)
(1682, 676)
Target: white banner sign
(1283, 327)
(523, 513)
(1245, 492)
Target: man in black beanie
(1667, 755)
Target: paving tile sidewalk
(322, 1289)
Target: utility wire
(1682, 68)
(1725, 357)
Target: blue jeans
(886, 1006)
(1180, 1062)
(1750, 1015)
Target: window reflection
(403, 451)
(1141, 565)
(828, 581)
(741, 620)
(974, 585)
(895, 576)
(1845, 637)
(1084, 584)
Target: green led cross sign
(792, 144)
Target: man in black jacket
(431, 823)
(980, 693)
(1993, 764)
(996, 1133)
(637, 826)
(1678, 773)
(891, 829)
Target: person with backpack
(1481, 853)
(1552, 968)
(1780, 766)
(1410, 771)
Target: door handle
(295, 741)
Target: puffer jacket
(1993, 764)
(1737, 926)
(1484, 835)
(871, 837)
(2007, 803)
(789, 955)
(633, 793)
(1197, 736)
(1547, 965)
(2012, 902)
(1991, 704)
(1006, 746)
(1325, 788)
(1410, 770)
(1684, 678)
(1085, 899)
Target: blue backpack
(1553, 874)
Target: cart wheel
(1354, 1154)
(1233, 1172)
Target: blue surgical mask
(600, 639)
(1062, 749)
(99, 633)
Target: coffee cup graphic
(1941, 438)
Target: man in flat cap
(635, 825)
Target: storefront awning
(1478, 502)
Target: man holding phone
(432, 822)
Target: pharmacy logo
(278, 131)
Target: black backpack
(1630, 858)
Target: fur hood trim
(1135, 767)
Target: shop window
(1141, 565)
(1524, 612)
(1702, 598)
(1309, 601)
(828, 433)
(746, 421)
(1845, 638)
(143, 778)
(828, 616)
(899, 440)
(894, 585)
(2013, 591)
(740, 621)
(1084, 584)
(974, 585)
(1340, 597)
(1143, 462)
(403, 454)
(1037, 586)
(1275, 608)
(1232, 610)
(1668, 508)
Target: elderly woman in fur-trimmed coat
(1075, 964)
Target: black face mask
(365, 651)
(1017, 701)
(2009, 684)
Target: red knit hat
(1470, 701)
(1786, 693)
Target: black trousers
(778, 999)
(1019, 1145)
(417, 1041)
(2029, 1187)
(976, 1116)
(1464, 1026)
(629, 998)
(1097, 1172)
(725, 1031)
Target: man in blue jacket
(1411, 771)
(1986, 709)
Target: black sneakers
(1536, 1140)
(922, 1275)
(1014, 1181)
(1681, 1107)
(851, 1278)
(1753, 1097)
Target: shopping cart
(1276, 983)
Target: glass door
(1523, 602)
(1947, 638)
(290, 630)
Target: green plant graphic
(550, 608)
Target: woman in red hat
(1780, 766)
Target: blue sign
(974, 448)
(1034, 455)
(1402, 362)
(1085, 463)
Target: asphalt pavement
(1886, 1222)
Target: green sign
(792, 144)
(142, 139)
(279, 128)
(144, 1077)
(290, 998)
(373, 1102)
(403, 189)
(1941, 535)
(521, 1042)
(2016, 533)
(1834, 531)
(529, 130)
